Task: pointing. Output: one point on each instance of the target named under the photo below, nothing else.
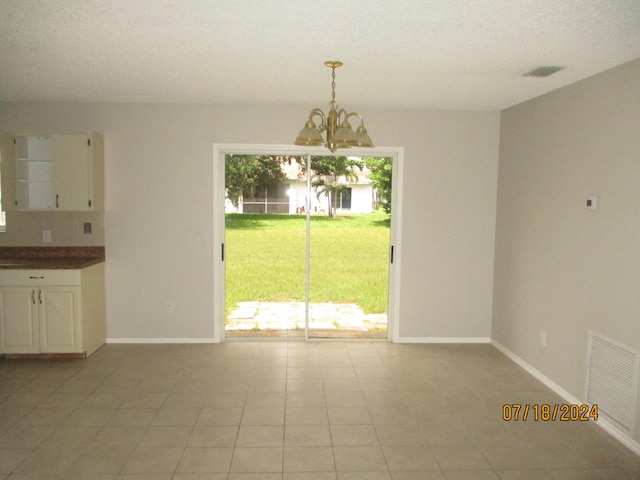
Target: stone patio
(286, 319)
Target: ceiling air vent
(542, 72)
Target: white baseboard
(619, 435)
(213, 340)
(443, 340)
(160, 340)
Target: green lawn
(265, 259)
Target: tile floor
(290, 411)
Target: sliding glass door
(306, 246)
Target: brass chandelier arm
(352, 114)
(322, 126)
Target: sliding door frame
(220, 150)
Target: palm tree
(327, 175)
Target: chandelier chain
(333, 85)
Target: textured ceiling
(436, 54)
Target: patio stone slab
(261, 316)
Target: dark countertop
(50, 258)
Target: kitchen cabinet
(55, 173)
(18, 320)
(52, 311)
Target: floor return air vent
(612, 380)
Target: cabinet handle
(36, 278)
(40, 296)
(57, 204)
(33, 297)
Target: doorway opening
(307, 243)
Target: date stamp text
(519, 412)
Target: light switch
(592, 202)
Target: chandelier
(339, 133)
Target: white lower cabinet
(52, 311)
(19, 322)
(58, 309)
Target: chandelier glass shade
(335, 124)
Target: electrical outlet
(169, 307)
(86, 228)
(543, 338)
(46, 236)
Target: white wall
(67, 229)
(159, 224)
(559, 266)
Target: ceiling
(427, 54)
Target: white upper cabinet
(57, 173)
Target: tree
(246, 174)
(327, 172)
(381, 172)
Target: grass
(265, 259)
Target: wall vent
(612, 380)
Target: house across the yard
(290, 196)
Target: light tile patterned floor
(290, 411)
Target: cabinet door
(71, 172)
(19, 320)
(59, 312)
